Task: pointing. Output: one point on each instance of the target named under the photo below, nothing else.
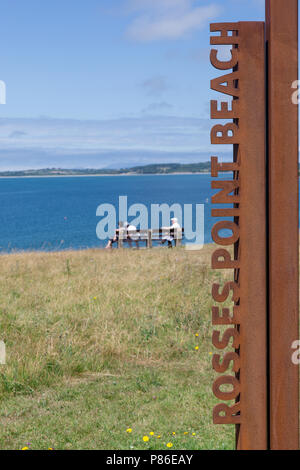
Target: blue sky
(108, 82)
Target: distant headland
(152, 169)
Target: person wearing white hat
(170, 237)
(133, 235)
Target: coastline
(108, 174)
(100, 249)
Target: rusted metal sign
(257, 383)
(282, 37)
(246, 192)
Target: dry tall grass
(68, 314)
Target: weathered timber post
(149, 240)
(177, 237)
(121, 238)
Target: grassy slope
(98, 342)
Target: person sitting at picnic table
(170, 237)
(132, 235)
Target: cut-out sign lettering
(226, 258)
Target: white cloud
(69, 143)
(167, 133)
(45, 142)
(167, 19)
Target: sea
(60, 213)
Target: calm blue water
(60, 213)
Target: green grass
(101, 342)
(94, 413)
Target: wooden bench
(149, 236)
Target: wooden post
(120, 238)
(149, 241)
(282, 41)
(178, 237)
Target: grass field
(99, 343)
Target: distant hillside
(169, 168)
(159, 168)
